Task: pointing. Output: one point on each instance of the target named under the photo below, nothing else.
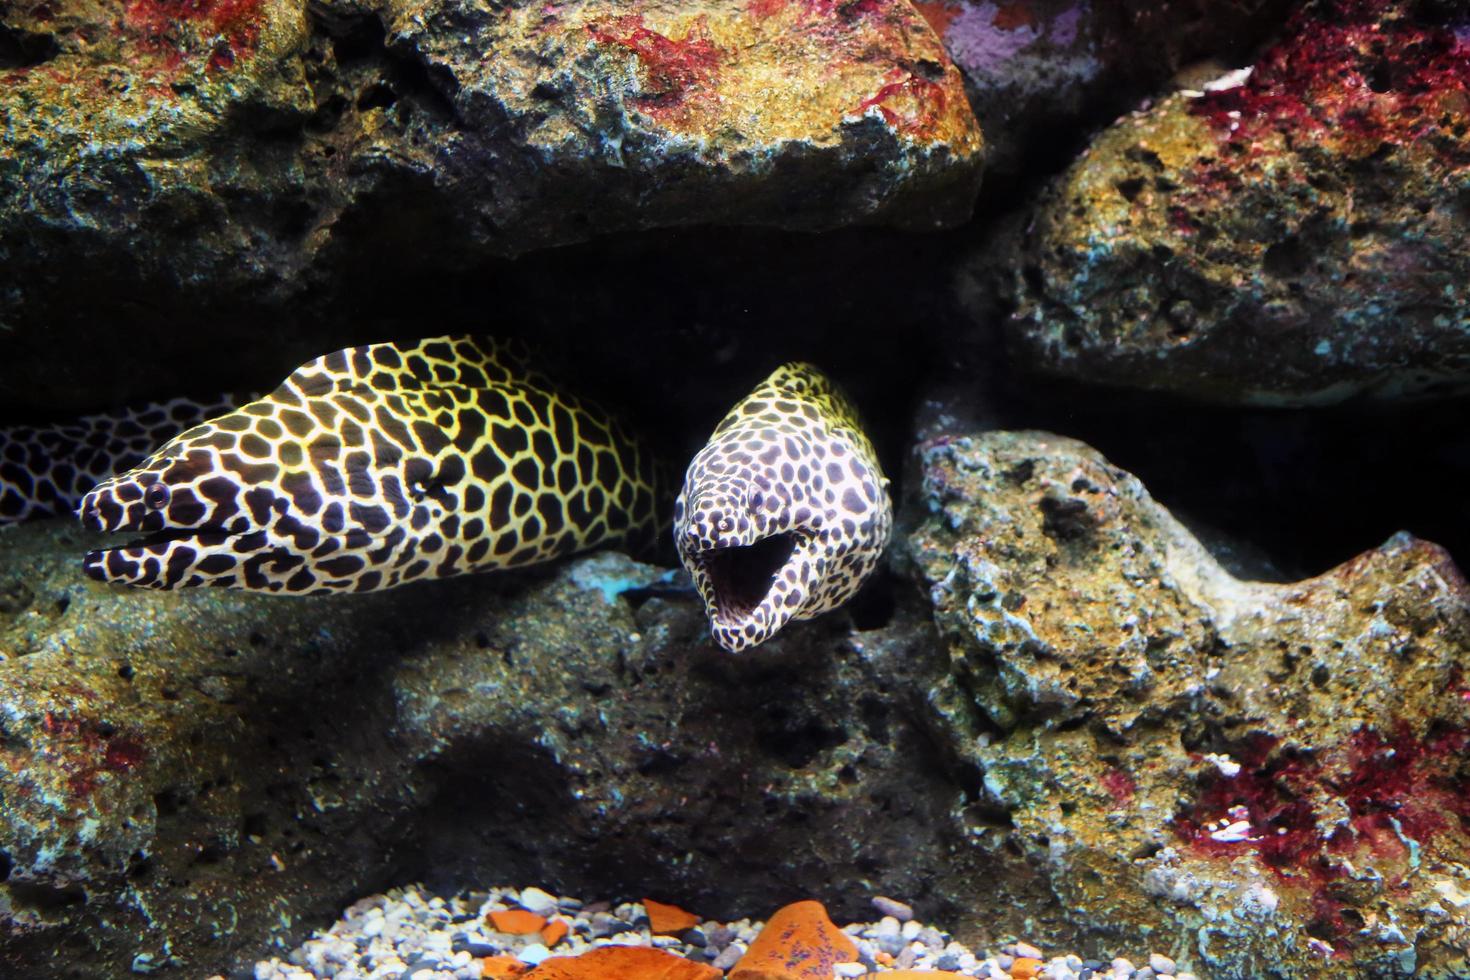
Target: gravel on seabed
(411, 934)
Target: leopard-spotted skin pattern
(785, 512)
(376, 466)
(46, 470)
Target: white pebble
(533, 954)
(850, 969)
(890, 906)
(1028, 951)
(728, 957)
(538, 901)
(1161, 963)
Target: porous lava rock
(212, 175)
(1263, 779)
(1293, 238)
(1037, 71)
(193, 779)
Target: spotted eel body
(375, 466)
(785, 512)
(46, 470)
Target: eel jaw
(140, 561)
(737, 583)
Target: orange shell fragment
(517, 922)
(798, 943)
(668, 920)
(554, 932)
(501, 967)
(1025, 967)
(622, 963)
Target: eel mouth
(741, 576)
(204, 534)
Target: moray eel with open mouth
(785, 512)
(376, 466)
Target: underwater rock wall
(1291, 235)
(190, 778)
(1056, 714)
(231, 162)
(1268, 773)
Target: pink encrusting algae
(674, 70)
(1400, 792)
(84, 749)
(229, 29)
(1349, 74)
(911, 104)
(1119, 785)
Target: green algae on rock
(1292, 237)
(1262, 778)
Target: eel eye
(156, 496)
(725, 524)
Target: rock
(900, 911)
(1041, 68)
(516, 922)
(502, 967)
(1290, 237)
(554, 932)
(242, 166)
(622, 963)
(668, 920)
(1228, 767)
(799, 942)
(1024, 968)
(535, 899)
(203, 775)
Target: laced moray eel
(785, 512)
(375, 466)
(46, 470)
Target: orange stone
(799, 942)
(1024, 968)
(517, 922)
(554, 932)
(622, 963)
(501, 967)
(668, 920)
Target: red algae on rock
(1379, 801)
(227, 29)
(1273, 773)
(913, 104)
(1351, 73)
(1294, 236)
(675, 69)
(84, 749)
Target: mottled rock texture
(192, 778)
(1037, 71)
(207, 174)
(1264, 779)
(1296, 239)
